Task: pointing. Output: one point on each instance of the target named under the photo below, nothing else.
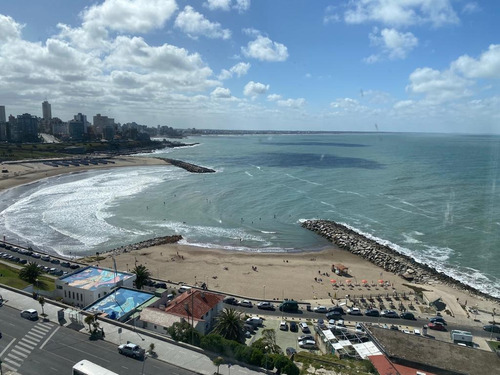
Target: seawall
(384, 256)
(193, 168)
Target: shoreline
(25, 172)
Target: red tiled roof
(195, 302)
(385, 367)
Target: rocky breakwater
(149, 243)
(384, 256)
(193, 168)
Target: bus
(85, 367)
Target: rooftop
(194, 304)
(120, 302)
(92, 278)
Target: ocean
(430, 196)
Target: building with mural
(89, 284)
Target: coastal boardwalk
(166, 351)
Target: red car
(437, 326)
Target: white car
(354, 311)
(245, 303)
(307, 344)
(283, 326)
(320, 309)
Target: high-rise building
(24, 128)
(46, 110)
(2, 114)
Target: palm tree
(89, 319)
(30, 272)
(217, 362)
(142, 275)
(229, 324)
(41, 300)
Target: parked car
(354, 311)
(305, 337)
(245, 303)
(307, 344)
(333, 315)
(65, 264)
(23, 261)
(320, 309)
(36, 256)
(407, 315)
(74, 266)
(265, 306)
(283, 326)
(132, 350)
(436, 326)
(255, 321)
(389, 314)
(45, 258)
(294, 327)
(438, 319)
(304, 327)
(55, 261)
(492, 328)
(30, 314)
(338, 309)
(230, 300)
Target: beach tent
(340, 269)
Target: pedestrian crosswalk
(18, 353)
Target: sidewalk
(167, 352)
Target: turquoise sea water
(433, 197)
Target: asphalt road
(43, 348)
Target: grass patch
(494, 345)
(10, 276)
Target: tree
(41, 300)
(30, 272)
(267, 343)
(217, 362)
(89, 319)
(229, 324)
(182, 331)
(142, 275)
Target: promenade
(194, 360)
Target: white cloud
(438, 86)
(264, 49)
(394, 44)
(273, 97)
(130, 15)
(218, 4)
(242, 5)
(9, 29)
(239, 69)
(292, 103)
(195, 24)
(221, 93)
(253, 89)
(471, 8)
(344, 103)
(331, 15)
(401, 12)
(487, 66)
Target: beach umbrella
(364, 281)
(381, 281)
(348, 281)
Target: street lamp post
(264, 292)
(267, 347)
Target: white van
(255, 321)
(184, 288)
(30, 314)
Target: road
(40, 348)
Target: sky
(352, 65)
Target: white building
(88, 284)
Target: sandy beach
(20, 173)
(302, 276)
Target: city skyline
(362, 65)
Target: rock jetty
(148, 243)
(193, 168)
(384, 256)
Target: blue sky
(356, 65)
